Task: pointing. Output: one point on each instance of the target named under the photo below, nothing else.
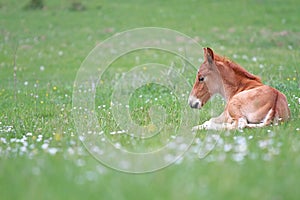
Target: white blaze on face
(194, 102)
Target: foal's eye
(201, 78)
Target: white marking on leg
(268, 116)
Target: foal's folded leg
(208, 125)
(215, 123)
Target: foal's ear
(209, 55)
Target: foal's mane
(236, 67)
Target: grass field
(41, 51)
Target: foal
(249, 103)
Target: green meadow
(41, 51)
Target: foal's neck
(235, 81)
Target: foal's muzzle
(194, 102)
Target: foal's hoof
(196, 128)
(204, 126)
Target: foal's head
(208, 81)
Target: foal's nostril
(195, 105)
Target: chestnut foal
(249, 103)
